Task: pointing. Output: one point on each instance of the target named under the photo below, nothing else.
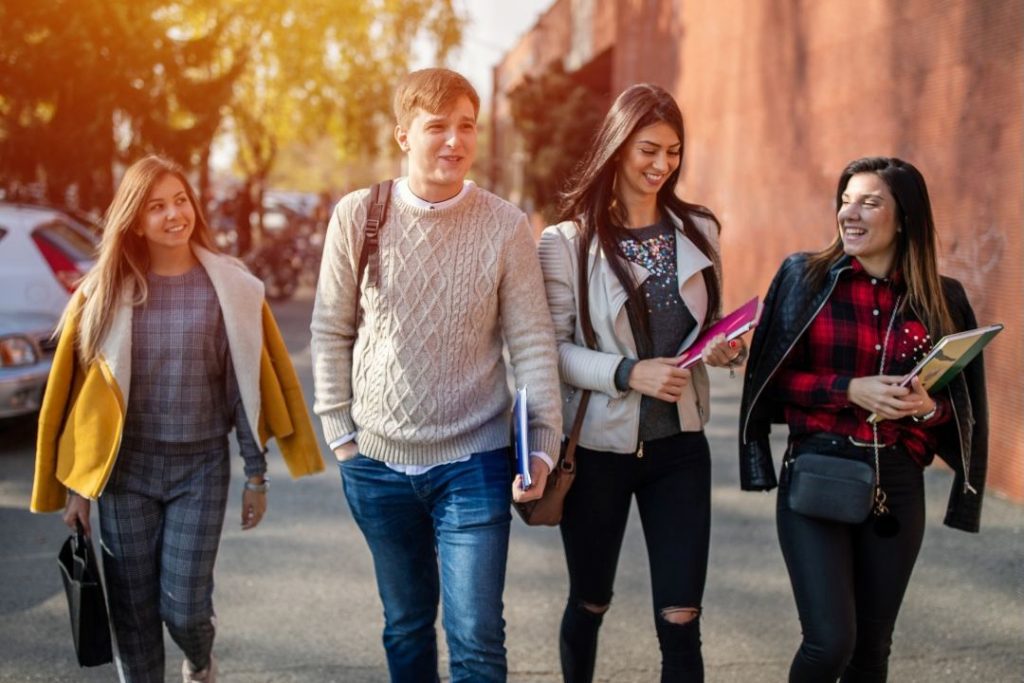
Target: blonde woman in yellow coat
(167, 346)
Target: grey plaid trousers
(161, 517)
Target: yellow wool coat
(83, 411)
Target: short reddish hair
(432, 90)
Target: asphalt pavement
(296, 599)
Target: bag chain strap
(880, 508)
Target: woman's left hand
(539, 474)
(884, 396)
(722, 354)
(918, 393)
(254, 506)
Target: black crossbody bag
(830, 486)
(826, 485)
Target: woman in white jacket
(652, 284)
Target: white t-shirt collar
(406, 194)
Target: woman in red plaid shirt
(840, 329)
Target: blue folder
(520, 437)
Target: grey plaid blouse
(183, 386)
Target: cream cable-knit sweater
(424, 381)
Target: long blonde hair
(123, 258)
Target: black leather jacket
(789, 308)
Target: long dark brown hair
(592, 204)
(916, 243)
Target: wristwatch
(927, 416)
(258, 488)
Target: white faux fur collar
(241, 303)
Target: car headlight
(15, 351)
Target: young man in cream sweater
(415, 402)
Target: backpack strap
(369, 255)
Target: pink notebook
(734, 325)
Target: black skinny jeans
(847, 580)
(672, 485)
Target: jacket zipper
(964, 456)
(746, 419)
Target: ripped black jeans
(847, 580)
(672, 485)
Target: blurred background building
(778, 95)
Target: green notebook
(949, 356)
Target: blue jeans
(443, 534)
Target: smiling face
(441, 149)
(168, 218)
(868, 223)
(646, 160)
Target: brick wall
(779, 95)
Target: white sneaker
(207, 675)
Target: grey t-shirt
(183, 387)
(669, 320)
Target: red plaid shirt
(843, 342)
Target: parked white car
(26, 351)
(44, 252)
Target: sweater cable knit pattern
(425, 381)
